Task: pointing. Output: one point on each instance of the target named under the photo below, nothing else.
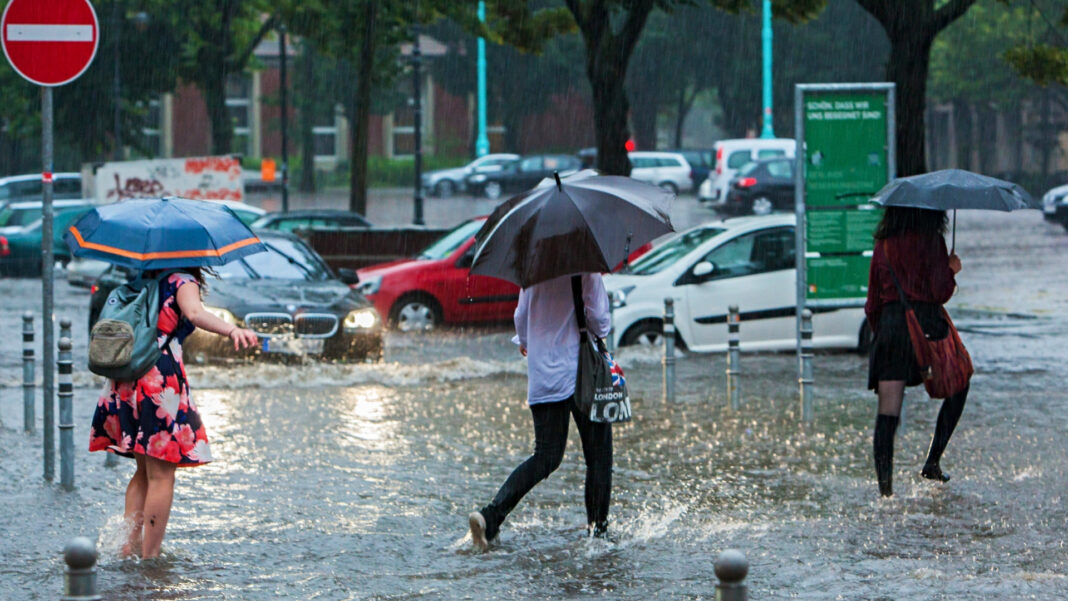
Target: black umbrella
(582, 224)
(952, 189)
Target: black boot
(883, 447)
(948, 416)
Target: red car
(436, 287)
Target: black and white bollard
(805, 378)
(669, 350)
(731, 569)
(29, 414)
(79, 581)
(734, 370)
(66, 413)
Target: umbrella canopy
(162, 234)
(582, 224)
(954, 189)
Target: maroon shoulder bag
(945, 364)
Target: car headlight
(361, 319)
(369, 286)
(478, 178)
(618, 298)
(222, 314)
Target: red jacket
(921, 263)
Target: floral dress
(155, 416)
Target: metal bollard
(731, 569)
(66, 413)
(805, 378)
(734, 371)
(29, 416)
(669, 350)
(79, 580)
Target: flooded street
(339, 482)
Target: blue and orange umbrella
(163, 233)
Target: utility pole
(417, 105)
(285, 119)
(482, 145)
(768, 131)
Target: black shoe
(883, 450)
(932, 471)
(598, 530)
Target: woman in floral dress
(154, 419)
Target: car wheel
(492, 190)
(445, 188)
(669, 187)
(649, 332)
(416, 314)
(762, 206)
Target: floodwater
(337, 482)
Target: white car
(732, 155)
(746, 261)
(1055, 205)
(446, 182)
(669, 170)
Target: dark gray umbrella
(952, 189)
(585, 223)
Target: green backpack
(123, 344)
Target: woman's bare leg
(157, 504)
(135, 508)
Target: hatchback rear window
(769, 153)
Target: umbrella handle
(953, 244)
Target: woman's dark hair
(901, 220)
(197, 273)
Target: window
(239, 107)
(769, 153)
(287, 260)
(447, 244)
(67, 187)
(782, 169)
(665, 255)
(753, 253)
(152, 125)
(737, 159)
(531, 164)
(642, 163)
(668, 162)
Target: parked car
(762, 187)
(732, 155)
(1055, 205)
(669, 170)
(522, 175)
(67, 185)
(247, 213)
(446, 182)
(287, 295)
(745, 261)
(436, 287)
(701, 160)
(21, 232)
(312, 218)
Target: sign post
(50, 43)
(845, 154)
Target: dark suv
(762, 187)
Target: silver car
(446, 182)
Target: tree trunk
(610, 110)
(910, 55)
(307, 118)
(681, 112)
(222, 128)
(643, 116)
(362, 111)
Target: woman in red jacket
(911, 242)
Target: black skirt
(892, 356)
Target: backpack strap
(166, 346)
(580, 306)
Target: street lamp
(285, 119)
(767, 132)
(482, 145)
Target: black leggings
(550, 439)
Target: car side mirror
(467, 259)
(704, 269)
(349, 277)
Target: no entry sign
(50, 42)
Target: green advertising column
(845, 142)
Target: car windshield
(284, 260)
(663, 256)
(447, 244)
(11, 217)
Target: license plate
(293, 346)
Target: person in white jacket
(547, 334)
